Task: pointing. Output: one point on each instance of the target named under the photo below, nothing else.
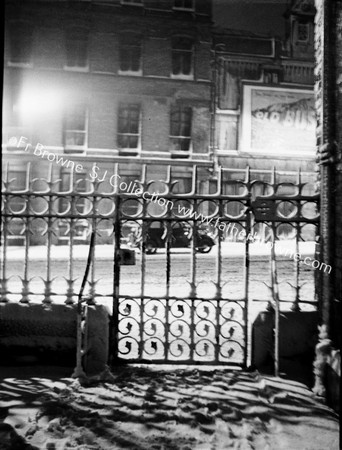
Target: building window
(180, 136)
(303, 32)
(187, 5)
(75, 128)
(182, 57)
(272, 76)
(76, 43)
(130, 54)
(129, 126)
(21, 35)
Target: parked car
(181, 238)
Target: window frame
(75, 148)
(180, 110)
(184, 8)
(126, 46)
(75, 44)
(21, 37)
(119, 133)
(307, 27)
(182, 53)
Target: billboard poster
(278, 120)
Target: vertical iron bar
(168, 257)
(193, 290)
(92, 293)
(113, 353)
(144, 185)
(217, 328)
(4, 288)
(168, 275)
(143, 252)
(70, 291)
(218, 294)
(142, 285)
(82, 316)
(275, 290)
(247, 355)
(47, 293)
(276, 301)
(219, 257)
(25, 280)
(295, 305)
(192, 328)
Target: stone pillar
(328, 36)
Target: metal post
(114, 323)
(3, 290)
(47, 291)
(193, 268)
(275, 292)
(82, 317)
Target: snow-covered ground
(59, 252)
(158, 409)
(232, 272)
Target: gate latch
(264, 209)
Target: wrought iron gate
(189, 328)
(195, 324)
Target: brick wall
(102, 88)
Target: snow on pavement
(229, 249)
(156, 409)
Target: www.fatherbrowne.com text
(228, 228)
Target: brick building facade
(105, 82)
(100, 83)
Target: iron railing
(155, 317)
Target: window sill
(130, 73)
(74, 149)
(20, 65)
(182, 77)
(128, 152)
(76, 69)
(180, 154)
(13, 149)
(189, 10)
